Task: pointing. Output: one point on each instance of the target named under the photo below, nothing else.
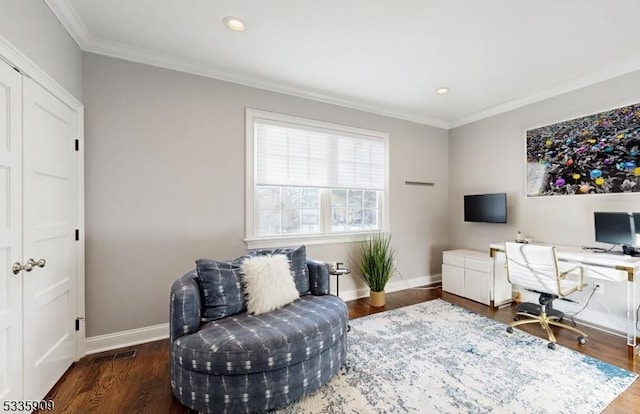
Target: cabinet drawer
(453, 259)
(481, 265)
(604, 273)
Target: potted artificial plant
(374, 261)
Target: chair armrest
(318, 277)
(185, 306)
(576, 270)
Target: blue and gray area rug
(436, 357)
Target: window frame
(251, 239)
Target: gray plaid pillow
(221, 289)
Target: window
(312, 180)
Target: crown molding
(566, 87)
(66, 14)
(139, 55)
(68, 17)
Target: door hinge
(78, 322)
(77, 234)
(77, 145)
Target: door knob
(28, 266)
(17, 267)
(34, 263)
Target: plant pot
(376, 299)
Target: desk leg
(632, 320)
(337, 286)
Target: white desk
(603, 266)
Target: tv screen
(615, 228)
(485, 208)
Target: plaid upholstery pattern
(298, 262)
(221, 287)
(249, 363)
(185, 306)
(257, 392)
(245, 343)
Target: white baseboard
(394, 286)
(108, 342)
(123, 339)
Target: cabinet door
(10, 233)
(453, 279)
(476, 285)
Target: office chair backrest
(533, 267)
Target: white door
(10, 233)
(49, 222)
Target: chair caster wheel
(551, 345)
(582, 340)
(510, 329)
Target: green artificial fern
(374, 260)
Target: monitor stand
(630, 251)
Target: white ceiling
(377, 55)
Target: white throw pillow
(269, 284)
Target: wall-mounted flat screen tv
(485, 208)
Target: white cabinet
(470, 274)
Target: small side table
(337, 273)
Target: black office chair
(534, 309)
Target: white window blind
(298, 155)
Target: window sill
(297, 240)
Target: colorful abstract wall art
(595, 154)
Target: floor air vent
(127, 354)
(113, 357)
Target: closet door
(10, 233)
(49, 222)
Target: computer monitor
(618, 228)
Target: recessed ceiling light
(442, 91)
(233, 23)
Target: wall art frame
(593, 154)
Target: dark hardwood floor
(141, 384)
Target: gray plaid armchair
(248, 363)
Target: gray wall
(33, 29)
(165, 184)
(165, 173)
(489, 156)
